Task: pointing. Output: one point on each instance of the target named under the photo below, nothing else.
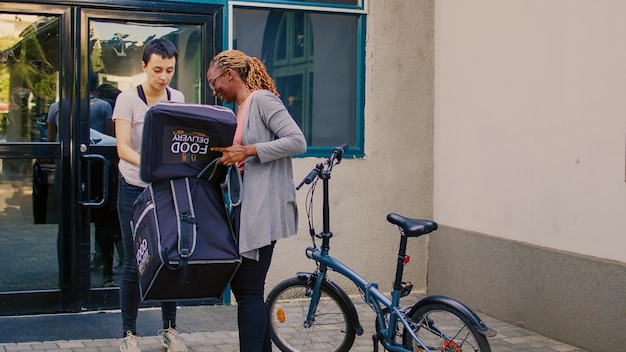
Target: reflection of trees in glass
(28, 77)
(95, 52)
(6, 42)
(118, 55)
(27, 63)
(46, 87)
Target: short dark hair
(161, 47)
(106, 91)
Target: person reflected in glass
(108, 214)
(158, 63)
(108, 92)
(265, 140)
(100, 114)
(99, 111)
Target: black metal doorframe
(75, 292)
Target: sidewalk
(213, 328)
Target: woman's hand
(235, 153)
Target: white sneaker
(172, 341)
(130, 343)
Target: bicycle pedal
(375, 339)
(406, 288)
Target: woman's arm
(286, 137)
(122, 137)
(280, 136)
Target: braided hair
(251, 70)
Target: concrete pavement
(213, 328)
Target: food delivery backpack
(185, 243)
(177, 139)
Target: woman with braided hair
(265, 140)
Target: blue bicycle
(310, 312)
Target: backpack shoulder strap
(208, 171)
(186, 221)
(142, 94)
(232, 185)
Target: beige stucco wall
(530, 122)
(396, 173)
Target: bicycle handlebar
(338, 153)
(309, 178)
(335, 156)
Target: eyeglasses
(212, 83)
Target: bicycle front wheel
(330, 329)
(441, 327)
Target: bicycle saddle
(412, 227)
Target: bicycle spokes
(447, 334)
(327, 329)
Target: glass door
(58, 169)
(30, 43)
(114, 62)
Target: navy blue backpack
(185, 242)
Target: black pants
(248, 286)
(107, 233)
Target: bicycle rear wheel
(443, 328)
(330, 330)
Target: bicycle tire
(460, 334)
(288, 304)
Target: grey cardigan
(268, 208)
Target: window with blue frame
(313, 55)
(340, 2)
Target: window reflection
(116, 53)
(28, 85)
(28, 61)
(338, 2)
(28, 256)
(312, 57)
(116, 50)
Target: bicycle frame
(372, 295)
(389, 314)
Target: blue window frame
(315, 55)
(359, 4)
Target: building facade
(504, 122)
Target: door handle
(91, 159)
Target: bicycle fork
(315, 281)
(314, 292)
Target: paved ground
(204, 328)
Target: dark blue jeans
(129, 283)
(248, 286)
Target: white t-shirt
(130, 107)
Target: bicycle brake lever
(311, 176)
(308, 179)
